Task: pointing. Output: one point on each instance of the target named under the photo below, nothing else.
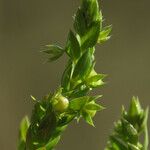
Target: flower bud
(61, 104)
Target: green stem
(146, 142)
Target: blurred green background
(26, 25)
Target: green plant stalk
(52, 114)
(146, 142)
(129, 129)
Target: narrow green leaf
(93, 106)
(22, 133)
(80, 24)
(52, 143)
(24, 127)
(73, 46)
(94, 98)
(91, 37)
(88, 119)
(87, 14)
(65, 81)
(146, 138)
(83, 66)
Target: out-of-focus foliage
(129, 129)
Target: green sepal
(95, 81)
(78, 103)
(85, 107)
(105, 34)
(53, 51)
(87, 117)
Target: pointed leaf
(91, 37)
(87, 14)
(95, 80)
(65, 81)
(135, 107)
(78, 103)
(88, 119)
(80, 24)
(94, 106)
(24, 127)
(105, 34)
(83, 66)
(22, 133)
(73, 46)
(53, 51)
(52, 143)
